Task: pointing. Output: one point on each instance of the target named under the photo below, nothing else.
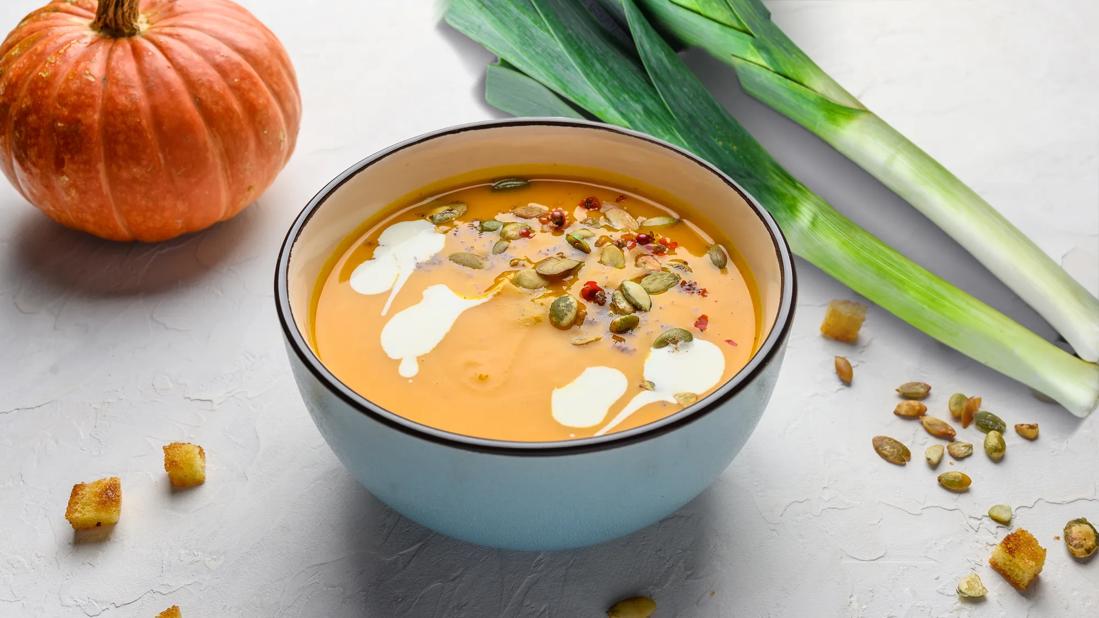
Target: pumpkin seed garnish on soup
(515, 231)
(509, 184)
(673, 337)
(611, 255)
(636, 295)
(717, 256)
(659, 282)
(529, 211)
(446, 213)
(469, 260)
(543, 309)
(624, 323)
(564, 311)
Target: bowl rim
(768, 352)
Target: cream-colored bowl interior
(422, 167)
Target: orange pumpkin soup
(535, 310)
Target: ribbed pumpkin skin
(150, 136)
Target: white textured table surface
(109, 351)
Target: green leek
(558, 56)
(774, 70)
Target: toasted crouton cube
(171, 612)
(842, 320)
(185, 464)
(1019, 559)
(95, 504)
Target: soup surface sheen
(451, 322)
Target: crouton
(185, 464)
(171, 612)
(842, 320)
(1019, 559)
(95, 504)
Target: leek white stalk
(774, 70)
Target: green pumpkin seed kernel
(636, 295)
(611, 255)
(469, 260)
(624, 323)
(564, 311)
(659, 282)
(673, 337)
(509, 184)
(718, 256)
(987, 421)
(446, 213)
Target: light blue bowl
(546, 495)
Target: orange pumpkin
(144, 119)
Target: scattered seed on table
(956, 405)
(934, 455)
(891, 450)
(910, 409)
(959, 450)
(955, 481)
(995, 447)
(844, 370)
(1000, 513)
(1027, 430)
(938, 427)
(914, 390)
(971, 587)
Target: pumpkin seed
(647, 262)
(1027, 430)
(934, 455)
(647, 385)
(620, 219)
(446, 213)
(602, 240)
(582, 340)
(659, 282)
(680, 265)
(987, 421)
(660, 221)
(636, 295)
(673, 337)
(500, 246)
(624, 324)
(955, 481)
(910, 409)
(972, 405)
(514, 230)
(530, 211)
(469, 260)
(584, 233)
(556, 266)
(959, 450)
(891, 450)
(844, 370)
(1081, 538)
(956, 405)
(564, 311)
(971, 587)
(578, 243)
(611, 255)
(914, 390)
(938, 427)
(995, 447)
(685, 399)
(636, 607)
(509, 184)
(592, 221)
(1000, 513)
(528, 279)
(490, 225)
(717, 256)
(619, 304)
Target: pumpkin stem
(118, 18)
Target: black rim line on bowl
(763, 357)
